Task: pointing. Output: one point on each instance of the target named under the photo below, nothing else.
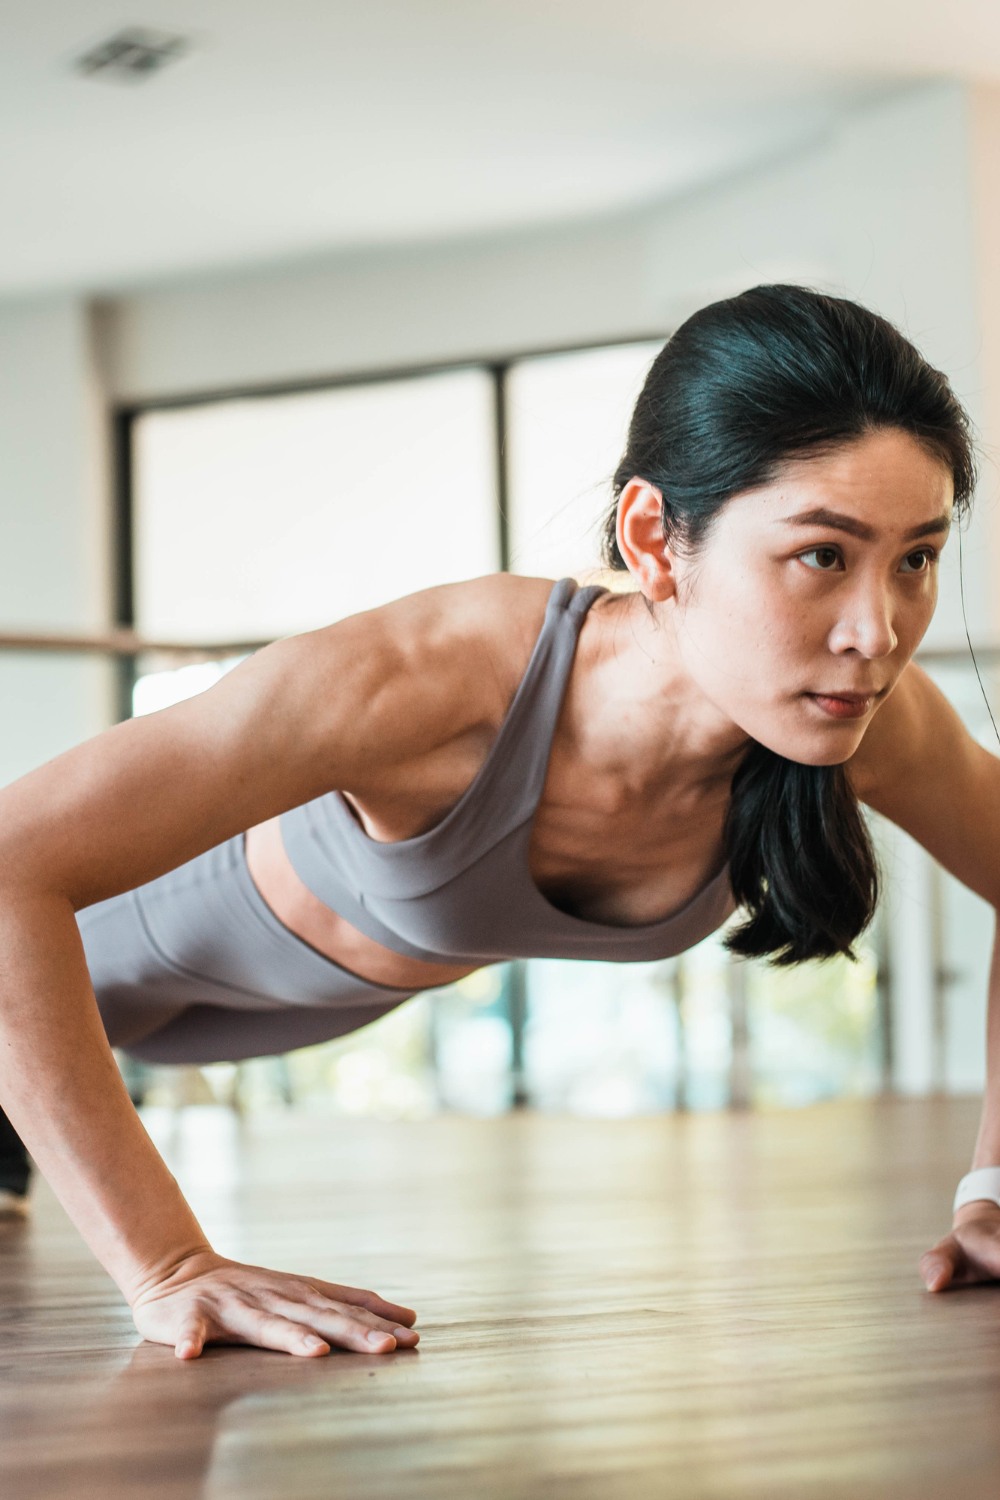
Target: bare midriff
(294, 904)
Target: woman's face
(782, 604)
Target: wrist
(143, 1280)
(977, 1208)
(979, 1189)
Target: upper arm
(337, 707)
(920, 767)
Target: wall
(984, 168)
(54, 513)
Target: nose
(865, 624)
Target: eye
(828, 557)
(925, 552)
(833, 552)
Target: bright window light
(567, 417)
(271, 515)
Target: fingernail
(405, 1333)
(377, 1338)
(312, 1342)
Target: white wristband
(983, 1182)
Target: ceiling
(315, 125)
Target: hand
(969, 1254)
(207, 1299)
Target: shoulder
(477, 634)
(914, 728)
(919, 766)
(427, 669)
(499, 615)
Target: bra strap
(521, 753)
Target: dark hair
(743, 386)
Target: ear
(641, 541)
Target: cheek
(731, 600)
(915, 614)
(753, 622)
(931, 599)
(775, 626)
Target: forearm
(62, 1090)
(987, 1148)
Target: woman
(506, 767)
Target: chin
(804, 757)
(833, 760)
(833, 747)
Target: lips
(844, 705)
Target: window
(567, 419)
(271, 515)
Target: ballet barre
(122, 642)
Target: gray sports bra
(462, 891)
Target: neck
(635, 712)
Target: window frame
(126, 414)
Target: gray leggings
(195, 967)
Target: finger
(344, 1329)
(270, 1330)
(191, 1339)
(328, 1317)
(359, 1297)
(349, 1327)
(938, 1267)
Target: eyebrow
(823, 517)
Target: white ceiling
(311, 125)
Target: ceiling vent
(132, 54)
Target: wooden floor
(715, 1306)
